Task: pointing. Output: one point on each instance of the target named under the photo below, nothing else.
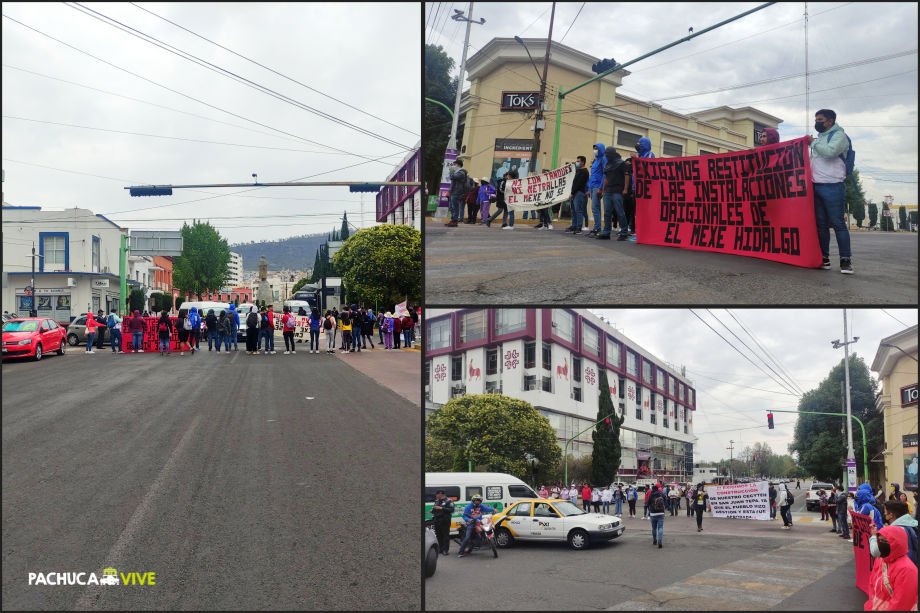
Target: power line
(767, 353)
(275, 71)
(152, 40)
(188, 96)
(744, 386)
(573, 22)
(895, 318)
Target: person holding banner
(893, 580)
(828, 172)
(613, 187)
(700, 503)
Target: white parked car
(554, 520)
(431, 552)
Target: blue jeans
(314, 339)
(90, 340)
(269, 336)
(137, 340)
(116, 340)
(619, 506)
(468, 535)
(579, 210)
(164, 344)
(829, 213)
(507, 218)
(786, 513)
(657, 527)
(221, 339)
(456, 207)
(596, 209)
(234, 333)
(228, 340)
(212, 339)
(356, 337)
(407, 338)
(614, 202)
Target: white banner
(401, 310)
(741, 501)
(540, 191)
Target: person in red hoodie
(586, 497)
(397, 331)
(137, 326)
(893, 580)
(91, 325)
(407, 326)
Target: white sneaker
(140, 351)
(293, 353)
(508, 228)
(181, 353)
(90, 352)
(285, 353)
(549, 227)
(273, 352)
(585, 229)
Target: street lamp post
(851, 458)
(731, 450)
(539, 125)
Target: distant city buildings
(235, 270)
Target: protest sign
(401, 310)
(756, 203)
(862, 530)
(540, 191)
(741, 501)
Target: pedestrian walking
(315, 325)
(91, 326)
(700, 504)
(137, 326)
(100, 329)
(288, 325)
(689, 494)
(648, 492)
(586, 497)
(210, 321)
(329, 324)
(164, 332)
(656, 515)
(441, 514)
(784, 500)
(632, 495)
(798, 484)
(114, 325)
(183, 327)
(252, 331)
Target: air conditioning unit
(71, 282)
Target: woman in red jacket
(586, 497)
(91, 325)
(893, 581)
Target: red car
(33, 337)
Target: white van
(206, 305)
(497, 490)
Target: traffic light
(770, 421)
(368, 187)
(151, 190)
(604, 65)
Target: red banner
(862, 526)
(756, 203)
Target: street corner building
(552, 359)
(496, 124)
(402, 204)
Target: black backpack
(658, 504)
(252, 320)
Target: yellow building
(896, 364)
(497, 113)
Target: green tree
(344, 233)
(887, 222)
(497, 433)
(137, 299)
(299, 285)
(437, 121)
(179, 302)
(439, 456)
(873, 214)
(382, 265)
(820, 440)
(902, 218)
(205, 256)
(855, 198)
(605, 455)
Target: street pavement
(244, 482)
(472, 264)
(731, 565)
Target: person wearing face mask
(613, 187)
(828, 172)
(643, 150)
(596, 185)
(579, 197)
(893, 580)
(895, 514)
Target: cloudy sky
(862, 62)
(372, 64)
(799, 339)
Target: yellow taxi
(553, 519)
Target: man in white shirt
(828, 172)
(573, 494)
(606, 498)
(596, 499)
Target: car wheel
(72, 340)
(503, 537)
(38, 352)
(431, 561)
(61, 349)
(578, 539)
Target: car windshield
(567, 509)
(20, 326)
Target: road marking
(310, 397)
(757, 583)
(117, 554)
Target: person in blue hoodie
(864, 504)
(596, 184)
(315, 321)
(234, 328)
(643, 150)
(485, 197)
(195, 337)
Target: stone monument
(264, 291)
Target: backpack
(163, 327)
(187, 324)
(849, 157)
(790, 499)
(110, 322)
(290, 324)
(252, 320)
(327, 325)
(658, 504)
(911, 543)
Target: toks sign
(520, 101)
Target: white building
(78, 270)
(235, 270)
(552, 358)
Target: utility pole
(539, 125)
(851, 458)
(731, 451)
(33, 312)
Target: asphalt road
(473, 264)
(731, 565)
(243, 482)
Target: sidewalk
(399, 370)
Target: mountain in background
(297, 252)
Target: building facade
(78, 264)
(496, 113)
(235, 270)
(401, 205)
(896, 364)
(552, 358)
